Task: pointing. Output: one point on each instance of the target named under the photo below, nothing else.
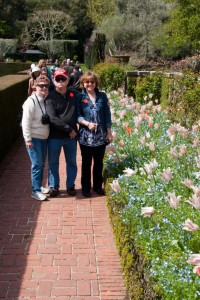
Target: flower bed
(153, 171)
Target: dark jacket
(62, 112)
(84, 105)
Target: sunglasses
(90, 81)
(60, 79)
(46, 86)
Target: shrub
(150, 86)
(182, 95)
(111, 75)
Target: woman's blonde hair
(40, 63)
(89, 75)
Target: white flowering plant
(153, 170)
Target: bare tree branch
(47, 25)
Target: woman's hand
(29, 144)
(92, 126)
(109, 136)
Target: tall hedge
(95, 50)
(59, 48)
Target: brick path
(58, 249)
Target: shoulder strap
(33, 100)
(39, 104)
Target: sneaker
(71, 191)
(53, 192)
(38, 196)
(44, 190)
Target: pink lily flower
(167, 174)
(173, 200)
(194, 259)
(190, 226)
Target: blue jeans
(54, 150)
(37, 156)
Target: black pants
(89, 154)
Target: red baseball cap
(60, 72)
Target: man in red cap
(61, 108)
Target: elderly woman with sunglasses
(35, 134)
(94, 118)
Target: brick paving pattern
(58, 249)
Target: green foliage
(94, 50)
(111, 75)
(182, 30)
(98, 10)
(78, 11)
(58, 48)
(11, 12)
(134, 28)
(182, 99)
(149, 86)
(4, 29)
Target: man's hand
(72, 134)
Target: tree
(10, 12)
(99, 10)
(7, 45)
(134, 26)
(182, 31)
(47, 25)
(78, 11)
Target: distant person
(74, 79)
(35, 72)
(35, 134)
(42, 63)
(44, 71)
(57, 63)
(68, 68)
(52, 69)
(79, 65)
(47, 72)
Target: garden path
(58, 249)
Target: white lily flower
(115, 186)
(197, 159)
(152, 146)
(129, 172)
(147, 211)
(148, 135)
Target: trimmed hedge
(13, 93)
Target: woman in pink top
(32, 81)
